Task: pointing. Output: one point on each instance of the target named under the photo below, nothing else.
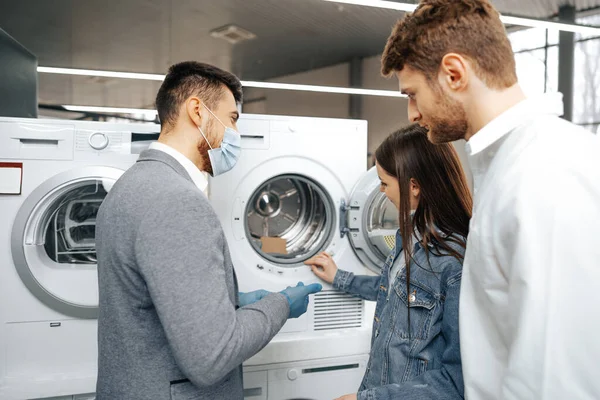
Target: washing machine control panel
(98, 141)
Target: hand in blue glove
(245, 299)
(298, 297)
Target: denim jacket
(423, 363)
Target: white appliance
(53, 176)
(300, 187)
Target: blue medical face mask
(225, 157)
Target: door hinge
(344, 208)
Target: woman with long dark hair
(415, 352)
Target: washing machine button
(292, 374)
(98, 140)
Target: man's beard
(450, 123)
(203, 147)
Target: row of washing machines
(302, 181)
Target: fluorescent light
(112, 110)
(323, 89)
(560, 26)
(254, 84)
(108, 74)
(507, 19)
(390, 5)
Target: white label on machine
(10, 178)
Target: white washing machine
(300, 187)
(53, 176)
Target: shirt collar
(195, 174)
(483, 146)
(503, 124)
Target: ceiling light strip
(252, 84)
(322, 89)
(390, 5)
(507, 19)
(111, 110)
(550, 25)
(107, 74)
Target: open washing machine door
(53, 239)
(370, 220)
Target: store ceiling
(149, 35)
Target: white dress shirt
(197, 176)
(529, 311)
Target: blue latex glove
(297, 297)
(245, 299)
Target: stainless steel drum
(381, 225)
(293, 208)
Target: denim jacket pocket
(420, 302)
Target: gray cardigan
(168, 325)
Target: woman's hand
(323, 266)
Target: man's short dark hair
(191, 78)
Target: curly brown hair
(471, 28)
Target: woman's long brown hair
(445, 203)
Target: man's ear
(193, 108)
(453, 72)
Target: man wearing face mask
(172, 324)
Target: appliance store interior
(181, 179)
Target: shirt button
(412, 298)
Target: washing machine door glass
(371, 222)
(53, 239)
(289, 219)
